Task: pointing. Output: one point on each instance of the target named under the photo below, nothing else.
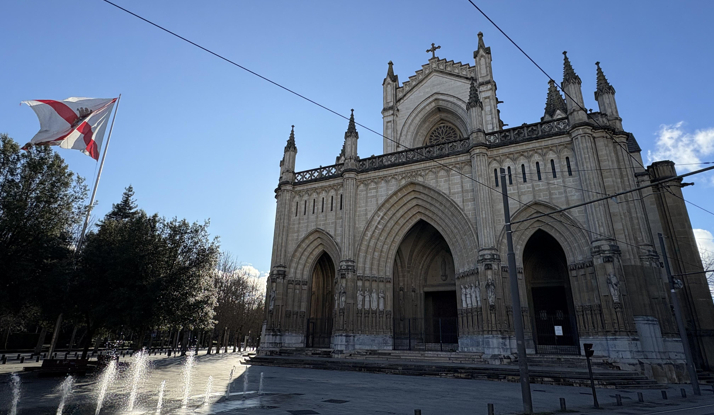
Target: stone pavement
(293, 391)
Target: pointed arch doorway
(549, 296)
(425, 310)
(322, 303)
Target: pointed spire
(554, 102)
(482, 45)
(390, 72)
(569, 75)
(603, 86)
(473, 96)
(351, 128)
(291, 141)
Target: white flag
(76, 123)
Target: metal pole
(99, 174)
(680, 323)
(516, 304)
(592, 383)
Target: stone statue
(366, 299)
(491, 292)
(613, 283)
(360, 299)
(381, 300)
(337, 299)
(477, 294)
(463, 297)
(374, 298)
(444, 276)
(343, 295)
(272, 299)
(472, 292)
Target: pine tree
(126, 209)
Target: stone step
(555, 376)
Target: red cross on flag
(76, 123)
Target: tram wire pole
(516, 305)
(680, 323)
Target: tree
(139, 271)
(41, 202)
(239, 309)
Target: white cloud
(255, 275)
(683, 147)
(705, 243)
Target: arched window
(441, 133)
(495, 176)
(523, 170)
(510, 178)
(567, 164)
(538, 170)
(552, 167)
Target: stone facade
(369, 250)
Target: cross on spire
(433, 50)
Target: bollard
(4, 359)
(66, 355)
(683, 392)
(44, 355)
(618, 398)
(18, 356)
(664, 394)
(490, 409)
(76, 355)
(562, 405)
(640, 397)
(417, 412)
(22, 360)
(37, 358)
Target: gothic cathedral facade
(407, 250)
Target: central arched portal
(549, 296)
(322, 303)
(425, 309)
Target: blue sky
(199, 138)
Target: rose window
(443, 133)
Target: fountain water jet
(187, 367)
(245, 383)
(161, 398)
(260, 387)
(230, 379)
(65, 389)
(138, 370)
(107, 378)
(209, 386)
(15, 384)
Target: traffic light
(588, 348)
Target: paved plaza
(307, 391)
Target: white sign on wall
(558, 330)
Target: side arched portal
(549, 295)
(322, 303)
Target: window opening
(510, 178)
(552, 167)
(523, 170)
(567, 164)
(495, 176)
(538, 170)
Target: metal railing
(436, 334)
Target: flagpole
(99, 175)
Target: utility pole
(516, 305)
(680, 322)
